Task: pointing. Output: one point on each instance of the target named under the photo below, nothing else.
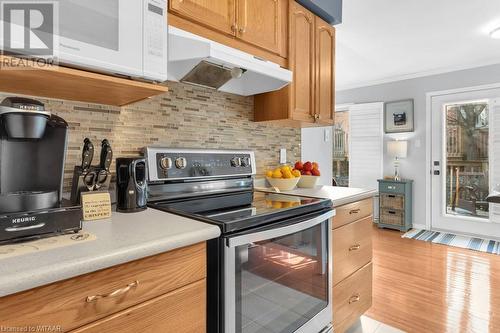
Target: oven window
(93, 22)
(282, 283)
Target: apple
(299, 165)
(315, 172)
(308, 166)
(307, 173)
(315, 165)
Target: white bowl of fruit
(283, 178)
(309, 174)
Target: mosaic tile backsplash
(186, 116)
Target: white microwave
(124, 37)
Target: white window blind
(495, 156)
(366, 145)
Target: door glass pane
(467, 160)
(93, 22)
(282, 283)
(340, 149)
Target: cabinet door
(181, 311)
(325, 71)
(301, 57)
(216, 14)
(263, 23)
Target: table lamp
(398, 150)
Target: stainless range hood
(202, 62)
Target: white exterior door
(465, 152)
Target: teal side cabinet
(396, 204)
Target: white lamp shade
(397, 149)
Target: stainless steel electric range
(271, 269)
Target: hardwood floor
(424, 287)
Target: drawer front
(391, 216)
(352, 212)
(181, 311)
(352, 248)
(392, 201)
(351, 298)
(392, 188)
(65, 303)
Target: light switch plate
(282, 155)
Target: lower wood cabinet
(181, 311)
(164, 290)
(352, 263)
(351, 298)
(352, 246)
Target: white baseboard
(420, 226)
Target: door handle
(436, 172)
(355, 247)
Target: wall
(414, 166)
(186, 116)
(316, 149)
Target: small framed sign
(96, 205)
(398, 116)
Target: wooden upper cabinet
(325, 69)
(301, 61)
(309, 99)
(263, 24)
(216, 14)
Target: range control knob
(165, 163)
(236, 162)
(180, 162)
(245, 162)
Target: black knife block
(78, 184)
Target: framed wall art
(398, 116)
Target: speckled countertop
(123, 238)
(339, 195)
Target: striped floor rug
(464, 242)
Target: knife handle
(87, 154)
(106, 155)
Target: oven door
(102, 35)
(280, 279)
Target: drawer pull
(354, 299)
(391, 212)
(355, 247)
(115, 293)
(354, 211)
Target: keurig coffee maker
(131, 185)
(32, 154)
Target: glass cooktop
(243, 210)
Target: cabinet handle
(115, 293)
(354, 298)
(354, 211)
(234, 28)
(355, 247)
(243, 30)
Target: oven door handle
(279, 232)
